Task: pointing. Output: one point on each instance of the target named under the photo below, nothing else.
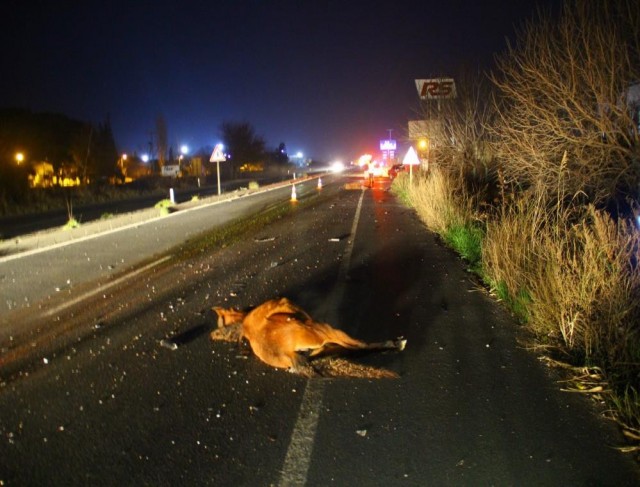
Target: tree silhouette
(242, 144)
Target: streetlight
(121, 165)
(184, 150)
(423, 149)
(19, 157)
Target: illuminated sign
(387, 145)
(436, 89)
(411, 159)
(217, 155)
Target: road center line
(298, 458)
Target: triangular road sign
(411, 159)
(217, 155)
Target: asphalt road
(97, 400)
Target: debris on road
(168, 344)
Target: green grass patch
(71, 223)
(164, 206)
(626, 406)
(467, 241)
(518, 304)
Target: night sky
(328, 78)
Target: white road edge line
(127, 226)
(103, 288)
(298, 458)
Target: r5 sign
(434, 89)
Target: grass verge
(234, 231)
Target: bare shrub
(562, 113)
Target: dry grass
(581, 275)
(570, 272)
(579, 270)
(439, 201)
(447, 210)
(588, 287)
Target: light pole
(423, 151)
(123, 169)
(19, 157)
(184, 150)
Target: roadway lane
(26, 282)
(471, 407)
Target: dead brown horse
(283, 335)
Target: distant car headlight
(337, 167)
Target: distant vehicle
(374, 170)
(396, 169)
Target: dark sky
(326, 77)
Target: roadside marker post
(319, 183)
(293, 193)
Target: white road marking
(296, 462)
(127, 226)
(103, 288)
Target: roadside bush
(510, 246)
(588, 289)
(567, 269)
(573, 276)
(561, 115)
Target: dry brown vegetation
(563, 121)
(564, 150)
